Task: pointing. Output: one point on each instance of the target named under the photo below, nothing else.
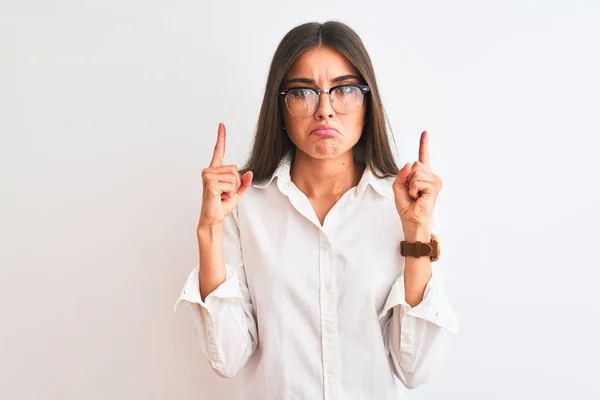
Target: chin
(325, 152)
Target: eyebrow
(334, 80)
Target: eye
(300, 93)
(345, 90)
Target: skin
(323, 167)
(323, 170)
(416, 189)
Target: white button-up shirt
(311, 311)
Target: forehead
(321, 63)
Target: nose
(324, 108)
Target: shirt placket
(329, 321)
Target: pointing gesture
(219, 151)
(222, 186)
(424, 149)
(416, 189)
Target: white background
(108, 113)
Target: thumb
(246, 182)
(401, 185)
(402, 176)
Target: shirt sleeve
(416, 336)
(225, 322)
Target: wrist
(209, 231)
(419, 233)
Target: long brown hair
(271, 142)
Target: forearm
(417, 270)
(212, 271)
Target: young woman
(319, 275)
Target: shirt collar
(282, 171)
(383, 186)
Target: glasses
(304, 101)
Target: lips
(325, 132)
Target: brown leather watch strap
(420, 249)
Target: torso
(322, 206)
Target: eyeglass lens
(304, 101)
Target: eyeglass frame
(282, 93)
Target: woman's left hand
(416, 189)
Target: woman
(302, 284)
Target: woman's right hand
(222, 186)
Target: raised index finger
(219, 152)
(424, 149)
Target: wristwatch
(420, 249)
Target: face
(333, 129)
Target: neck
(325, 178)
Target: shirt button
(325, 246)
(408, 339)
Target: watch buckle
(418, 246)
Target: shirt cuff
(229, 289)
(434, 307)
